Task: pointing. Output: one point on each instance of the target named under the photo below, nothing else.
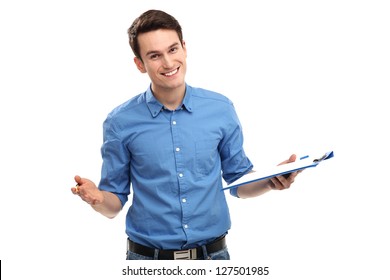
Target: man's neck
(170, 98)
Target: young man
(173, 143)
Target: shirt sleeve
(234, 161)
(115, 173)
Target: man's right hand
(87, 191)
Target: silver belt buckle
(185, 254)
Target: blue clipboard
(302, 163)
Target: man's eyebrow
(155, 52)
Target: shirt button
(177, 149)
(184, 200)
(174, 122)
(181, 175)
(186, 226)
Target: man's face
(163, 58)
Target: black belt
(190, 254)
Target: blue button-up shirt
(175, 161)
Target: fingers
(78, 180)
(292, 158)
(283, 182)
(87, 190)
(279, 183)
(75, 189)
(83, 194)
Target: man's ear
(140, 65)
(183, 43)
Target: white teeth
(171, 73)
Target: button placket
(180, 168)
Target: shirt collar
(155, 107)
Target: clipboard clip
(324, 157)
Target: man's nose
(167, 61)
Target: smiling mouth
(170, 74)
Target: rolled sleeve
(234, 161)
(115, 173)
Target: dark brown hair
(150, 21)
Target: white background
(305, 77)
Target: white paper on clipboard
(300, 164)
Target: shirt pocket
(206, 157)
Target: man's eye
(154, 56)
(173, 50)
